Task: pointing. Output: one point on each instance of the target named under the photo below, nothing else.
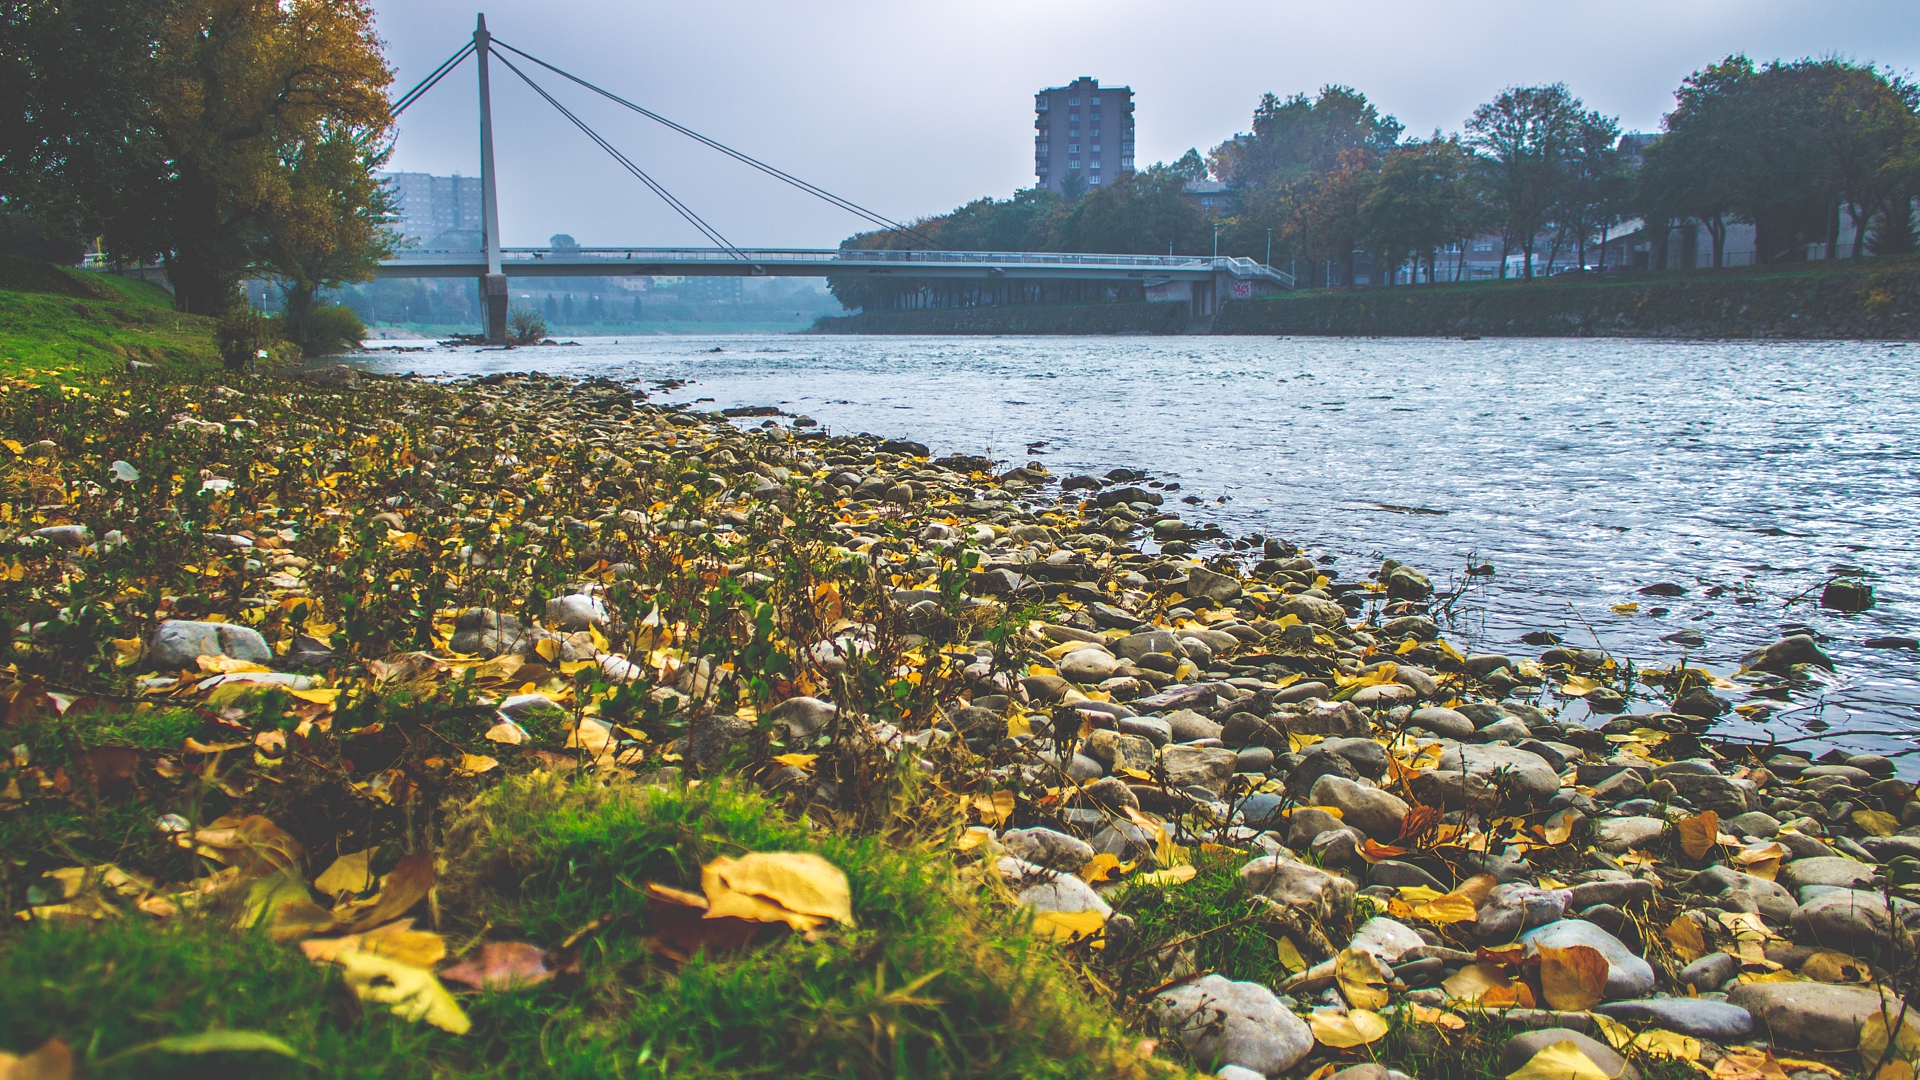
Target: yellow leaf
(1356, 1027)
(1612, 1032)
(14, 445)
(973, 836)
(1578, 686)
(1661, 1043)
(1173, 875)
(1103, 867)
(507, 732)
(1425, 1014)
(1627, 608)
(548, 648)
(126, 650)
(994, 809)
(592, 736)
(1363, 979)
(1873, 1034)
(1290, 957)
(798, 761)
(1561, 1061)
(1070, 925)
(348, 873)
(412, 993)
(395, 941)
(1781, 976)
(1419, 894)
(317, 697)
(1472, 982)
(475, 764)
(1833, 967)
(1451, 908)
(1558, 828)
(800, 889)
(1876, 822)
(1699, 833)
(1018, 725)
(1574, 978)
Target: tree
(169, 126)
(1525, 136)
(1190, 167)
(331, 229)
(1073, 185)
(1143, 213)
(1593, 186)
(1417, 202)
(1865, 122)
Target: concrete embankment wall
(1131, 318)
(1880, 302)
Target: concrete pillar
(493, 289)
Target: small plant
(525, 326)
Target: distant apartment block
(430, 207)
(1082, 129)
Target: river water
(1748, 473)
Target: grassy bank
(56, 322)
(1877, 298)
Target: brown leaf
(1699, 833)
(680, 928)
(1373, 851)
(407, 885)
(1417, 822)
(1574, 979)
(53, 1061)
(251, 844)
(1685, 937)
(502, 965)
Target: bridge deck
(822, 262)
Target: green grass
(539, 858)
(1811, 268)
(63, 324)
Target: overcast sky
(912, 108)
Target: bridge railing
(828, 258)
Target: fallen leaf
(800, 889)
(1671, 1044)
(1363, 979)
(1454, 907)
(1699, 833)
(1761, 860)
(1833, 967)
(592, 736)
(1561, 1061)
(1289, 956)
(395, 941)
(1102, 867)
(1069, 925)
(1876, 822)
(1173, 875)
(1745, 1064)
(53, 1061)
(1473, 981)
(252, 843)
(1627, 608)
(407, 885)
(475, 764)
(679, 926)
(1611, 1031)
(994, 809)
(1574, 979)
(1558, 829)
(797, 761)
(1426, 1014)
(349, 874)
(1685, 937)
(224, 1041)
(412, 993)
(1873, 1034)
(1355, 1027)
(1578, 686)
(1373, 851)
(502, 965)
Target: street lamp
(1269, 247)
(1216, 239)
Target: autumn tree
(1418, 203)
(1523, 137)
(331, 227)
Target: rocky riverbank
(1093, 319)
(504, 684)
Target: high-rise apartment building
(1082, 129)
(430, 206)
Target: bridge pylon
(493, 285)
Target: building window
(1093, 181)
(1095, 148)
(1073, 101)
(1093, 100)
(1093, 115)
(1073, 118)
(1094, 132)
(1073, 148)
(1041, 149)
(1073, 133)
(1095, 164)
(1073, 164)
(1126, 161)
(1040, 103)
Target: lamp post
(1216, 239)
(1269, 247)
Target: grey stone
(1295, 884)
(1049, 848)
(1628, 976)
(1401, 875)
(1710, 972)
(1187, 725)
(1386, 939)
(1085, 769)
(1754, 823)
(1125, 841)
(1849, 920)
(1710, 791)
(180, 643)
(1374, 812)
(1330, 718)
(1369, 758)
(485, 632)
(802, 716)
(711, 738)
(1522, 1047)
(1151, 728)
(1313, 765)
(1087, 665)
(1215, 586)
(1236, 1072)
(1306, 823)
(1441, 721)
(1620, 834)
(1222, 1022)
(523, 707)
(1703, 1019)
(1739, 891)
(1063, 893)
(1835, 870)
(1813, 1015)
(1780, 657)
(1337, 847)
(1118, 751)
(1260, 810)
(577, 612)
(1517, 906)
(1135, 646)
(1616, 893)
(1111, 792)
(69, 536)
(1198, 766)
(1477, 776)
(1253, 759)
(1621, 786)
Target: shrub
(525, 326)
(325, 328)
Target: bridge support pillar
(493, 290)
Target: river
(1748, 472)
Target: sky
(911, 108)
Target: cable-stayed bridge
(1209, 279)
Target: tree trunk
(1506, 249)
(1860, 219)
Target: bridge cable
(811, 189)
(666, 196)
(427, 83)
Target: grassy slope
(57, 323)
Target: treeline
(222, 138)
(1327, 182)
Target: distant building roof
(1205, 187)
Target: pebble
(1234, 1023)
(1628, 976)
(1703, 1019)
